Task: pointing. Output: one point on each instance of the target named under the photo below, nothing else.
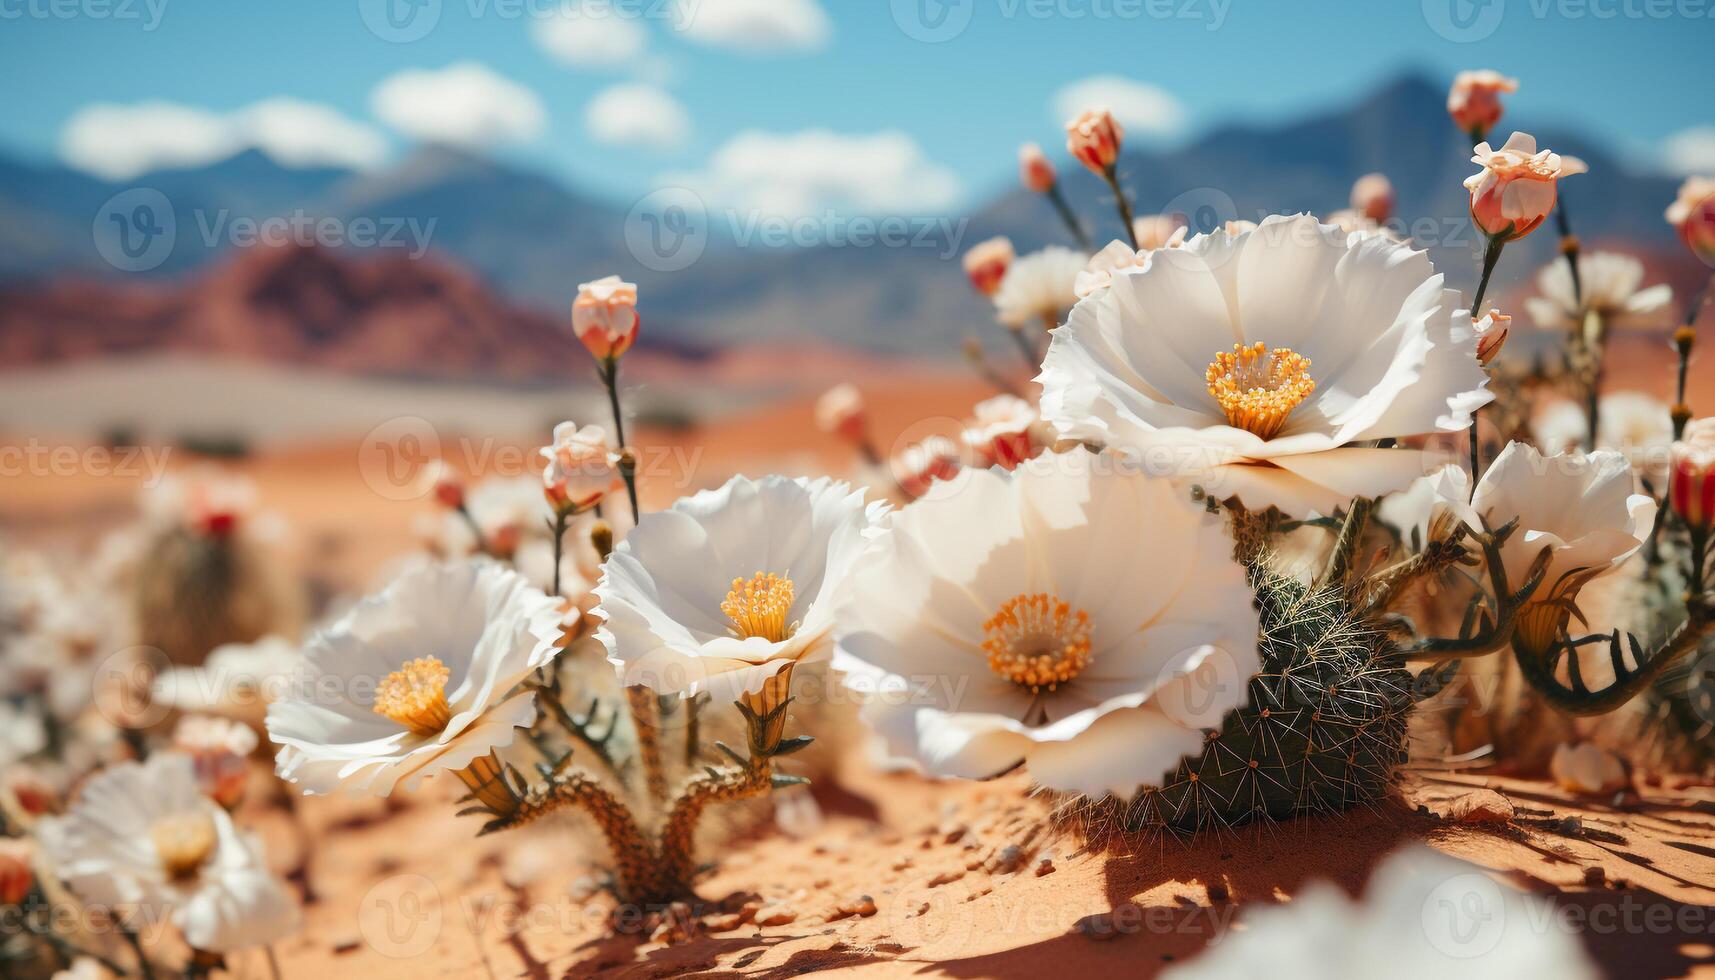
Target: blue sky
(767, 97)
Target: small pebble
(945, 878)
(776, 915)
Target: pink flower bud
(220, 754)
(1006, 431)
(1373, 195)
(29, 792)
(1094, 140)
(1491, 333)
(840, 411)
(986, 264)
(1692, 488)
(604, 316)
(580, 470)
(918, 467)
(1694, 215)
(1475, 100)
(1034, 170)
(17, 871)
(1516, 188)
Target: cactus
(1323, 728)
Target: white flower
(1258, 364)
(1560, 426)
(1581, 508)
(415, 680)
(1587, 768)
(219, 749)
(236, 681)
(143, 834)
(1424, 916)
(1609, 283)
(580, 470)
(1429, 509)
(23, 733)
(1038, 288)
(728, 587)
(1084, 621)
(1639, 426)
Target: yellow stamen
(1258, 388)
(758, 606)
(415, 696)
(183, 843)
(1037, 641)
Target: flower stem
(1026, 348)
(1124, 205)
(1568, 248)
(610, 379)
(1058, 199)
(1684, 339)
(1491, 255)
(560, 519)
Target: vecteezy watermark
(403, 21)
(669, 230)
(136, 230)
(400, 458)
(1468, 21)
(400, 917)
(36, 458)
(146, 12)
(1464, 21)
(936, 21)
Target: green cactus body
(1322, 730)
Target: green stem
(1124, 205)
(1071, 220)
(610, 379)
(1491, 255)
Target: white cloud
(119, 142)
(589, 35)
(638, 115)
(463, 104)
(1140, 107)
(754, 26)
(1690, 151)
(810, 172)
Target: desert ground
(897, 876)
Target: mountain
(299, 305)
(532, 239)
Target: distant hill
(532, 239)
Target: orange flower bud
(840, 411)
(1034, 170)
(1373, 195)
(1694, 215)
(1516, 189)
(1475, 100)
(1094, 139)
(986, 264)
(1692, 489)
(604, 316)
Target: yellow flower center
(415, 696)
(183, 843)
(759, 605)
(1037, 641)
(1258, 388)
